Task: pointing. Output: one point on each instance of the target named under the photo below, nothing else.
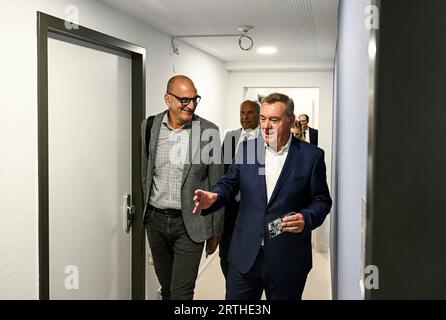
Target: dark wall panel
(407, 235)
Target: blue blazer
(313, 136)
(301, 187)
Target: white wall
(351, 152)
(18, 116)
(210, 78)
(306, 100)
(238, 80)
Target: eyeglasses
(185, 101)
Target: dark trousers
(224, 265)
(250, 285)
(231, 211)
(223, 252)
(175, 256)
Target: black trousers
(231, 211)
(175, 256)
(223, 251)
(250, 285)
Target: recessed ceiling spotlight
(245, 28)
(266, 50)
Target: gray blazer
(196, 175)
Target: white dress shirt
(245, 136)
(274, 162)
(306, 134)
(248, 135)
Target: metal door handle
(130, 211)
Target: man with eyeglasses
(172, 168)
(309, 134)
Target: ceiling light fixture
(245, 42)
(244, 37)
(266, 50)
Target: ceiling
(303, 31)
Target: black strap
(148, 130)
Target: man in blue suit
(276, 175)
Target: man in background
(310, 134)
(249, 119)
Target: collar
(253, 133)
(284, 148)
(165, 121)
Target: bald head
(251, 104)
(249, 114)
(178, 89)
(177, 81)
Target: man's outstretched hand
(203, 200)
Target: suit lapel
(194, 147)
(293, 155)
(234, 140)
(154, 134)
(260, 163)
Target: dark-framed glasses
(185, 101)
